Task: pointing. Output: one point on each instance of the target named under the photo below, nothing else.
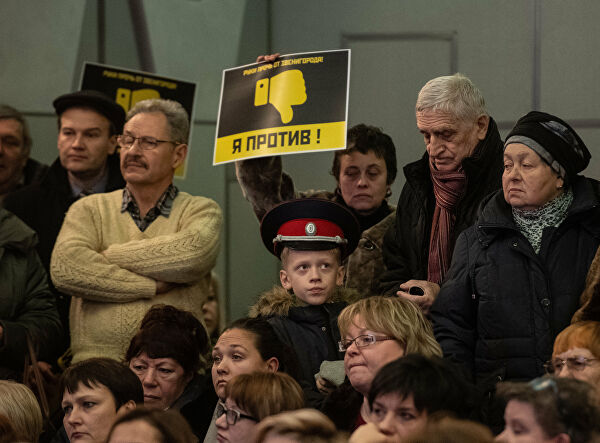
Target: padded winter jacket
(502, 305)
(406, 244)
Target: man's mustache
(136, 161)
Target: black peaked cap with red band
(310, 224)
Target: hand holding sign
(284, 91)
(283, 105)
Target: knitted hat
(310, 224)
(95, 100)
(553, 140)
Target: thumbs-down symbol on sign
(283, 91)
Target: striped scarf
(448, 188)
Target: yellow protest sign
(297, 104)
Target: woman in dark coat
(166, 354)
(517, 274)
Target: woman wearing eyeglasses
(375, 331)
(252, 397)
(577, 354)
(549, 410)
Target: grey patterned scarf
(532, 223)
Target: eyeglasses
(10, 142)
(362, 341)
(232, 415)
(573, 363)
(543, 383)
(146, 143)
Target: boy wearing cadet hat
(311, 237)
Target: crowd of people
(468, 312)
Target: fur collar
(278, 301)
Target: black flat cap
(95, 100)
(310, 224)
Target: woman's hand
(267, 58)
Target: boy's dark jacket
(310, 330)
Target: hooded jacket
(406, 244)
(502, 304)
(310, 330)
(26, 303)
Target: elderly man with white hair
(462, 164)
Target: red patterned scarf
(448, 187)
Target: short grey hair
(9, 113)
(177, 116)
(455, 94)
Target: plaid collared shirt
(162, 207)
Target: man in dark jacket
(462, 164)
(26, 304)
(88, 124)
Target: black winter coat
(42, 206)
(197, 403)
(310, 330)
(406, 243)
(26, 303)
(502, 305)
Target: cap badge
(310, 229)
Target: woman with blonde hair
(249, 398)
(375, 331)
(301, 426)
(20, 406)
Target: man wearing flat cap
(88, 125)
